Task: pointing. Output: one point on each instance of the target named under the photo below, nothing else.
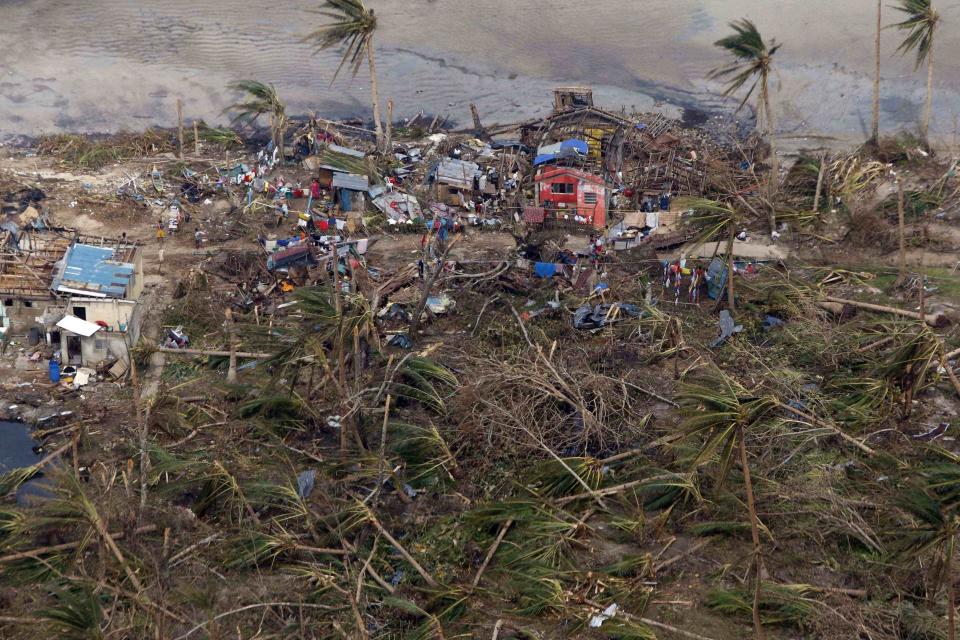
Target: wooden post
(196, 138)
(388, 145)
(923, 311)
(232, 368)
(730, 300)
(902, 275)
(180, 125)
(816, 195)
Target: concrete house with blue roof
(100, 286)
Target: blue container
(54, 371)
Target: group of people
(674, 274)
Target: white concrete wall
(113, 312)
(103, 345)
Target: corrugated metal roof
(73, 324)
(338, 158)
(93, 270)
(350, 181)
(346, 151)
(457, 172)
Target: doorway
(73, 350)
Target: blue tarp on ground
(572, 148)
(716, 278)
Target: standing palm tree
(260, 99)
(752, 61)
(352, 26)
(875, 121)
(921, 24)
(933, 535)
(723, 411)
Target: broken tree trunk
(730, 300)
(934, 320)
(388, 145)
(902, 259)
(820, 423)
(180, 126)
(403, 552)
(204, 352)
(428, 282)
(232, 368)
(820, 174)
(477, 125)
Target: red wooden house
(572, 193)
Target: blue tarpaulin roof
(572, 148)
(92, 270)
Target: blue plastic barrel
(54, 371)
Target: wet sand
(106, 65)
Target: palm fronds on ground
(75, 613)
(930, 535)
(780, 604)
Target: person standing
(197, 237)
(696, 278)
(677, 283)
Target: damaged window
(561, 187)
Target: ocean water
(103, 65)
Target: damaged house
(572, 195)
(99, 315)
(640, 153)
(27, 261)
(456, 180)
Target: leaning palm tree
(933, 535)
(352, 26)
(752, 63)
(722, 411)
(921, 24)
(260, 99)
(713, 220)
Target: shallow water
(16, 446)
(112, 64)
(16, 450)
